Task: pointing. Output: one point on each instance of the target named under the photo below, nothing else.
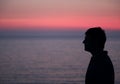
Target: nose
(83, 41)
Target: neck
(96, 52)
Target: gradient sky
(59, 13)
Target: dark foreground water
(49, 61)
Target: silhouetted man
(100, 69)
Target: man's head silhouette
(94, 40)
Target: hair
(97, 34)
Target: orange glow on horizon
(74, 22)
(59, 14)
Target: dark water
(49, 60)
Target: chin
(87, 50)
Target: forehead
(87, 37)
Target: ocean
(53, 58)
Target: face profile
(88, 43)
(94, 40)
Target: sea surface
(51, 60)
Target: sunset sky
(56, 14)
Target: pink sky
(60, 13)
